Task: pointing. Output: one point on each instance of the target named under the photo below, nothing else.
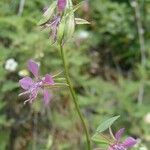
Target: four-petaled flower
(33, 87)
(118, 145)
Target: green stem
(74, 97)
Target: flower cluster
(40, 84)
(51, 19)
(59, 19)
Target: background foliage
(105, 67)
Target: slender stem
(21, 7)
(106, 138)
(142, 46)
(111, 133)
(140, 32)
(74, 97)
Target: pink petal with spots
(48, 79)
(119, 134)
(47, 97)
(33, 67)
(129, 142)
(26, 83)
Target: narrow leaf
(73, 9)
(60, 79)
(77, 6)
(81, 21)
(106, 124)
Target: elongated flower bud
(61, 30)
(70, 26)
(61, 4)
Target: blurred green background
(105, 66)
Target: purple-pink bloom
(126, 144)
(33, 87)
(54, 22)
(61, 4)
(53, 25)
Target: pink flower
(53, 22)
(33, 87)
(61, 4)
(128, 143)
(53, 25)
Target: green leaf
(77, 6)
(2, 105)
(4, 137)
(60, 79)
(9, 85)
(81, 21)
(49, 142)
(3, 120)
(106, 124)
(48, 13)
(73, 9)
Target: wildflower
(51, 19)
(11, 65)
(61, 21)
(33, 87)
(118, 145)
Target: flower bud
(70, 23)
(70, 26)
(48, 14)
(61, 4)
(60, 31)
(81, 21)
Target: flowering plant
(32, 88)
(61, 23)
(59, 18)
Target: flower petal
(48, 79)
(33, 67)
(61, 5)
(32, 96)
(26, 83)
(54, 25)
(119, 133)
(47, 97)
(129, 142)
